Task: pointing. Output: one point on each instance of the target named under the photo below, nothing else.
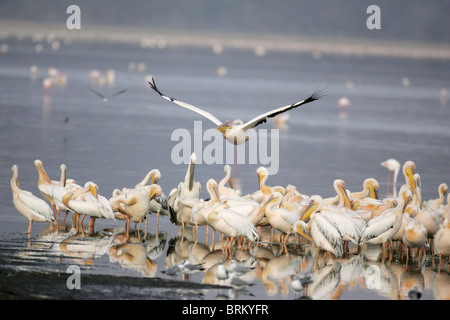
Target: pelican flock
(329, 224)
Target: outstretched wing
(98, 93)
(185, 105)
(320, 93)
(117, 93)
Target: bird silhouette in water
(105, 99)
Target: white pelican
(381, 229)
(370, 189)
(225, 191)
(435, 204)
(280, 218)
(30, 206)
(324, 232)
(442, 237)
(232, 224)
(408, 170)
(394, 168)
(190, 188)
(45, 185)
(158, 204)
(89, 203)
(104, 98)
(135, 205)
(414, 233)
(237, 134)
(201, 209)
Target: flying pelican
(237, 134)
(381, 229)
(442, 237)
(30, 206)
(105, 99)
(394, 168)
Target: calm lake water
(396, 111)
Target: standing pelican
(135, 205)
(45, 185)
(442, 237)
(237, 134)
(394, 168)
(324, 231)
(434, 204)
(381, 229)
(190, 188)
(30, 206)
(414, 232)
(88, 203)
(225, 191)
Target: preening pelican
(414, 232)
(225, 191)
(324, 231)
(280, 218)
(88, 203)
(408, 170)
(237, 134)
(442, 237)
(135, 205)
(435, 204)
(381, 229)
(30, 206)
(232, 224)
(394, 168)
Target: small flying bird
(105, 99)
(237, 133)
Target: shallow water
(116, 143)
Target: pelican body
(30, 206)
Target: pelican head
(373, 186)
(411, 209)
(213, 188)
(443, 188)
(315, 204)
(408, 171)
(339, 186)
(224, 127)
(262, 173)
(155, 191)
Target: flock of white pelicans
(330, 223)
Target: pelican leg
(407, 258)
(67, 213)
(81, 222)
(91, 225)
(30, 223)
(127, 228)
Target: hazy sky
(401, 19)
